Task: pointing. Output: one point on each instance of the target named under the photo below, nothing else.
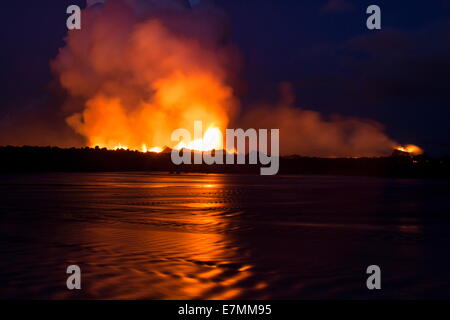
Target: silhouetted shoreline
(54, 159)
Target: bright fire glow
(212, 140)
(410, 148)
(120, 147)
(156, 149)
(145, 92)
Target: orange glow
(152, 92)
(120, 147)
(411, 149)
(212, 140)
(134, 92)
(156, 149)
(179, 101)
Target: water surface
(207, 236)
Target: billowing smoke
(145, 68)
(138, 69)
(308, 133)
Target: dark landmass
(53, 159)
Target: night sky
(399, 76)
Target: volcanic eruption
(143, 70)
(137, 70)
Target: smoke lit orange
(144, 82)
(141, 76)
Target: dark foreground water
(160, 236)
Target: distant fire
(139, 70)
(212, 140)
(411, 149)
(147, 78)
(155, 149)
(120, 147)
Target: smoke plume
(139, 69)
(308, 133)
(145, 68)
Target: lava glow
(212, 140)
(136, 100)
(136, 73)
(120, 147)
(155, 149)
(411, 149)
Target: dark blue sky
(398, 76)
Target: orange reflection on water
(182, 250)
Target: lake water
(207, 236)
